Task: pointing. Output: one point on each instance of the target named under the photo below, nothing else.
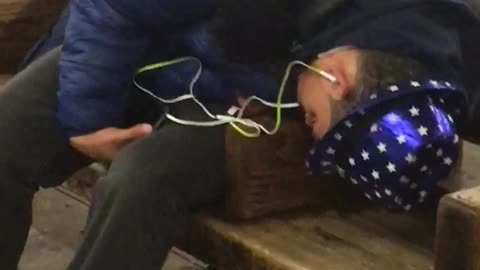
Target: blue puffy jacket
(107, 40)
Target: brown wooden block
(458, 231)
(266, 175)
(22, 22)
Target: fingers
(133, 133)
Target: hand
(104, 144)
(254, 108)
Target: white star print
(376, 175)
(391, 167)
(378, 194)
(448, 84)
(331, 151)
(402, 139)
(430, 146)
(398, 200)
(404, 180)
(423, 131)
(368, 196)
(434, 83)
(393, 88)
(374, 128)
(341, 172)
(374, 96)
(352, 161)
(388, 192)
(312, 151)
(382, 147)
(413, 186)
(440, 152)
(442, 101)
(365, 155)
(414, 111)
(327, 171)
(423, 193)
(307, 165)
(364, 179)
(338, 136)
(424, 168)
(354, 181)
(447, 161)
(408, 207)
(415, 84)
(326, 164)
(456, 139)
(411, 159)
(348, 124)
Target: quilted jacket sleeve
(105, 40)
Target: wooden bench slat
(310, 241)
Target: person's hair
(377, 70)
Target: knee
(167, 168)
(131, 177)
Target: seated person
(77, 104)
(157, 179)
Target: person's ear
(341, 87)
(341, 65)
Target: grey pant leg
(34, 150)
(151, 189)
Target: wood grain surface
(22, 22)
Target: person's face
(317, 95)
(315, 101)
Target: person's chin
(319, 132)
(317, 135)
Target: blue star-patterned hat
(398, 145)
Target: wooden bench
(367, 239)
(344, 232)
